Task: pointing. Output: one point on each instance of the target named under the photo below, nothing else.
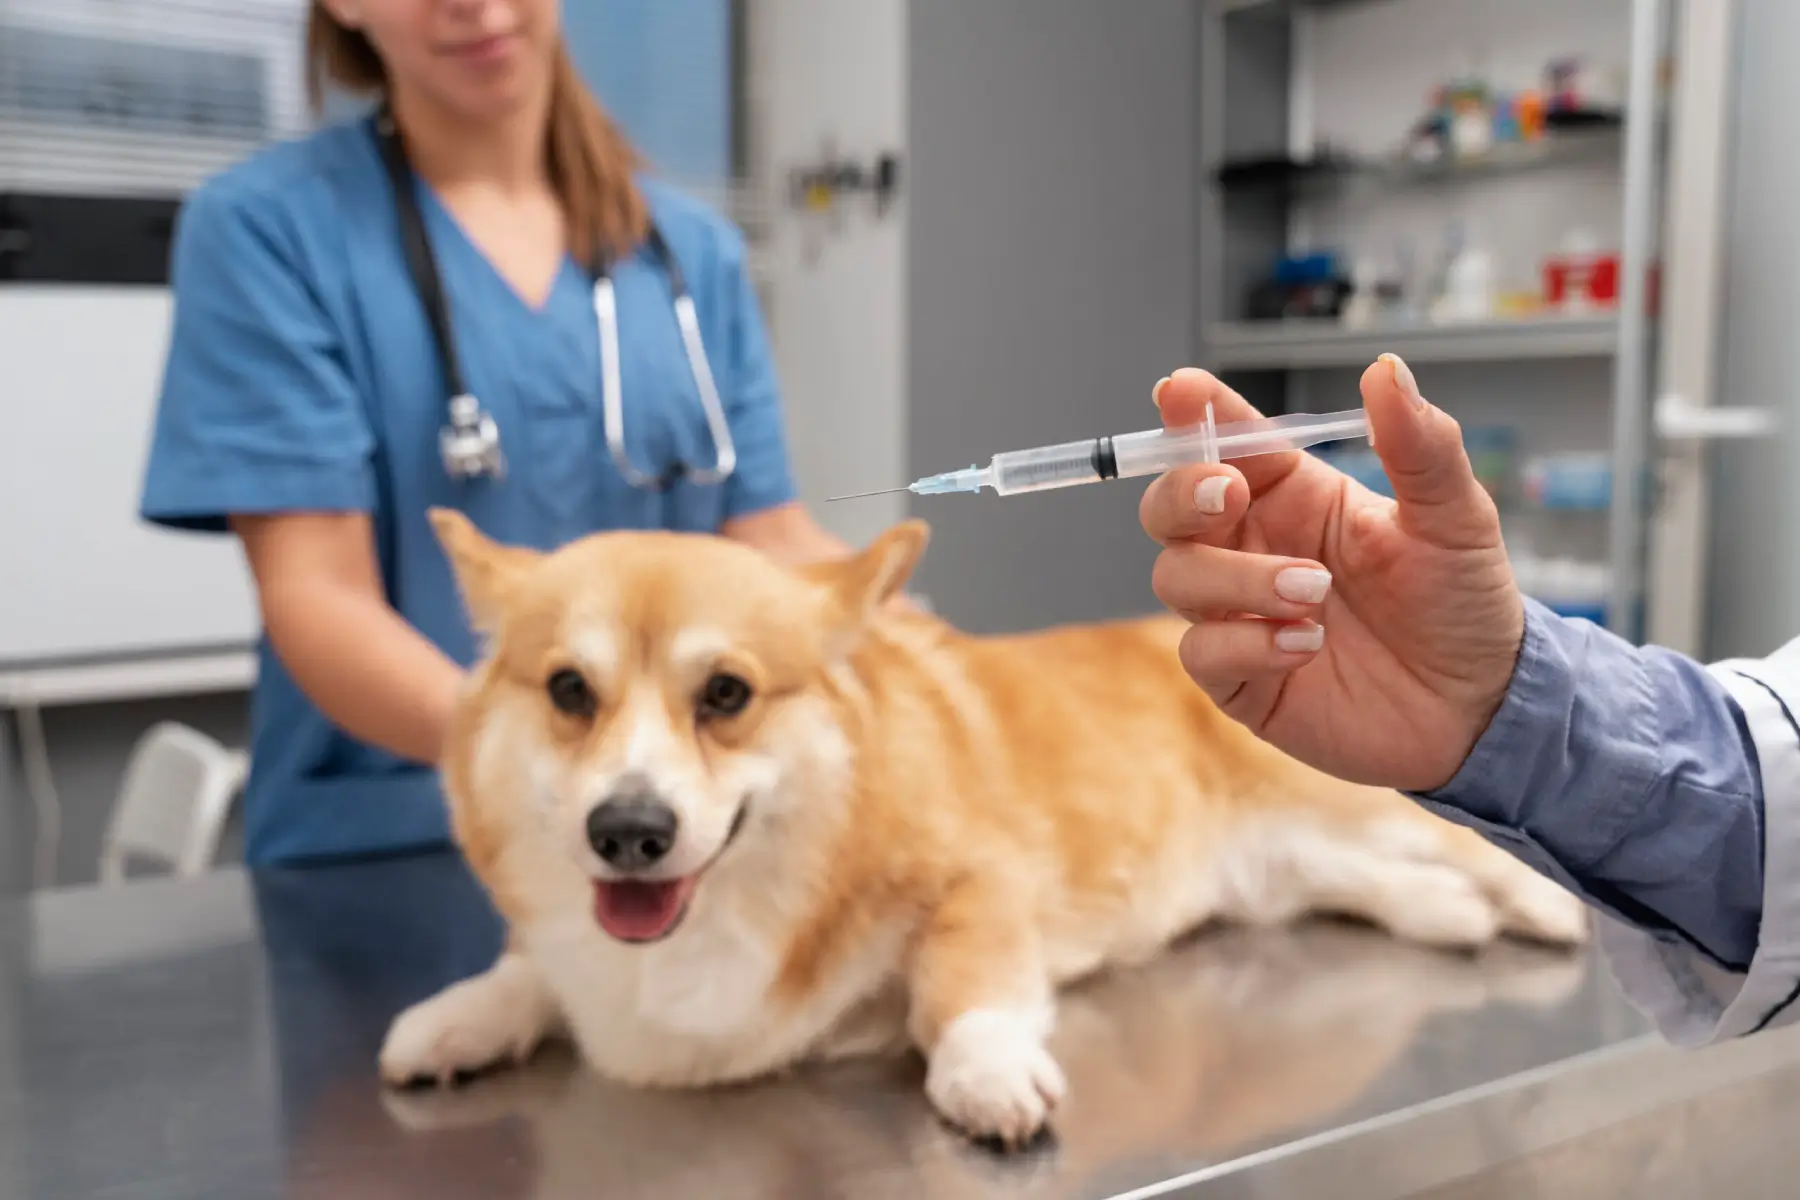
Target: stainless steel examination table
(216, 1039)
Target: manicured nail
(1403, 379)
(1300, 639)
(1156, 392)
(1209, 495)
(1302, 585)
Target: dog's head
(645, 698)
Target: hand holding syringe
(1130, 455)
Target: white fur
(695, 1009)
(1280, 871)
(1276, 870)
(650, 745)
(1540, 908)
(496, 746)
(498, 1016)
(696, 648)
(1526, 901)
(596, 647)
(991, 1075)
(681, 989)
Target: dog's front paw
(473, 1025)
(991, 1076)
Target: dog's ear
(484, 569)
(865, 581)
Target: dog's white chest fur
(697, 1008)
(708, 981)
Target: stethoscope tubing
(470, 439)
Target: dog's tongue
(639, 911)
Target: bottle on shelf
(1364, 303)
(1464, 289)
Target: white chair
(173, 802)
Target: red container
(1582, 281)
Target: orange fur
(941, 829)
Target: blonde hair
(591, 161)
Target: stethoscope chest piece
(471, 441)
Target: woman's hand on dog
(1371, 638)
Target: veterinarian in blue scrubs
(310, 406)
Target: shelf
(1274, 345)
(1569, 149)
(1575, 148)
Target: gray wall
(1051, 282)
(1753, 601)
(89, 745)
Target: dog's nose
(632, 829)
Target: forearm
(367, 670)
(1628, 774)
(788, 534)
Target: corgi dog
(739, 816)
(1222, 1046)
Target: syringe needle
(865, 495)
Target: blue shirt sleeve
(257, 412)
(751, 396)
(1628, 774)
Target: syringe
(1128, 455)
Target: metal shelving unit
(1254, 105)
(1300, 345)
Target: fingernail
(1156, 392)
(1300, 639)
(1403, 379)
(1209, 495)
(1302, 585)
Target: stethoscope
(470, 440)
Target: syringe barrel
(1153, 451)
(1157, 450)
(1042, 468)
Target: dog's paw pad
(451, 1038)
(991, 1077)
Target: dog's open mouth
(641, 910)
(646, 910)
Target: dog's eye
(571, 693)
(724, 696)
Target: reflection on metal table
(217, 1039)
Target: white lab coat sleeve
(1692, 999)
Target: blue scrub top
(302, 376)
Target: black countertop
(217, 1038)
